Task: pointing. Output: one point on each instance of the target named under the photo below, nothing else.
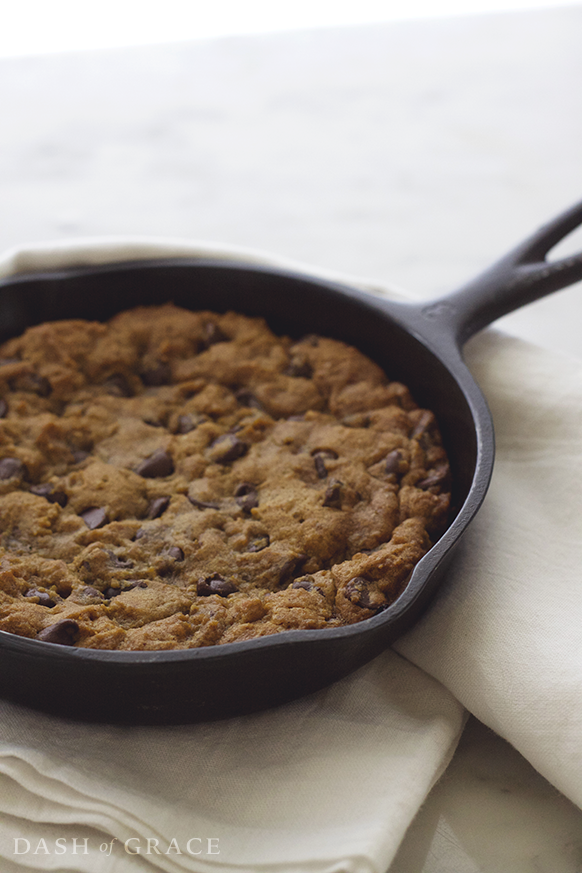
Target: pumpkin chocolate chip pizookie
(175, 479)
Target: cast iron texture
(419, 345)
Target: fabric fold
(505, 632)
(328, 782)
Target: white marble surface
(492, 813)
(413, 154)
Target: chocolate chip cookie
(175, 479)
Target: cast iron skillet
(417, 344)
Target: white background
(38, 27)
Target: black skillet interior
(174, 686)
(419, 345)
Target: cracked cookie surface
(174, 479)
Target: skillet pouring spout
(419, 345)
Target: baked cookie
(175, 479)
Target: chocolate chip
(319, 460)
(299, 369)
(44, 490)
(246, 496)
(227, 448)
(259, 543)
(157, 466)
(362, 593)
(333, 495)
(118, 386)
(435, 477)
(48, 491)
(392, 462)
(64, 633)
(247, 398)
(157, 507)
(320, 468)
(305, 582)
(161, 374)
(10, 467)
(176, 553)
(215, 584)
(44, 598)
(110, 593)
(201, 504)
(212, 335)
(91, 592)
(187, 423)
(94, 517)
(3, 408)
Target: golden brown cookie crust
(175, 479)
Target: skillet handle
(522, 276)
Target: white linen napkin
(505, 634)
(327, 784)
(330, 783)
